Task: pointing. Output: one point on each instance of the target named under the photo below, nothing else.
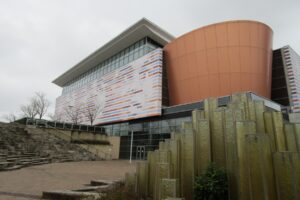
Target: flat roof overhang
(137, 31)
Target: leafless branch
(30, 110)
(73, 114)
(10, 117)
(54, 117)
(92, 112)
(42, 104)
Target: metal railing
(61, 125)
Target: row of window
(154, 127)
(131, 53)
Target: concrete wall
(109, 151)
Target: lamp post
(131, 143)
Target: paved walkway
(30, 182)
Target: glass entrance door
(140, 152)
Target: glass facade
(146, 134)
(151, 127)
(125, 56)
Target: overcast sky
(41, 39)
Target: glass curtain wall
(145, 134)
(129, 54)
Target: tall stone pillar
(269, 127)
(242, 129)
(163, 170)
(297, 135)
(278, 131)
(169, 188)
(152, 160)
(142, 171)
(259, 107)
(291, 142)
(217, 138)
(202, 147)
(260, 166)
(231, 116)
(210, 105)
(187, 165)
(287, 173)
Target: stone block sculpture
(256, 146)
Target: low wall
(107, 151)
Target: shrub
(212, 185)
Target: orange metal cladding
(219, 60)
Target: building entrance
(140, 152)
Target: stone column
(130, 182)
(291, 142)
(242, 129)
(231, 116)
(169, 188)
(162, 171)
(152, 160)
(260, 165)
(202, 146)
(251, 107)
(278, 131)
(244, 98)
(217, 139)
(269, 127)
(187, 165)
(175, 159)
(197, 115)
(259, 107)
(210, 105)
(142, 178)
(287, 173)
(297, 135)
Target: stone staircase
(22, 147)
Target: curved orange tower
(218, 60)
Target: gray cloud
(39, 40)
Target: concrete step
(24, 164)
(101, 188)
(66, 160)
(15, 167)
(2, 157)
(11, 159)
(103, 182)
(40, 163)
(19, 156)
(5, 164)
(70, 195)
(30, 154)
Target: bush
(212, 185)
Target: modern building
(147, 82)
(286, 78)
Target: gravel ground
(30, 182)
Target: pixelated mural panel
(129, 92)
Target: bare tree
(42, 104)
(10, 117)
(73, 113)
(30, 110)
(54, 117)
(92, 112)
